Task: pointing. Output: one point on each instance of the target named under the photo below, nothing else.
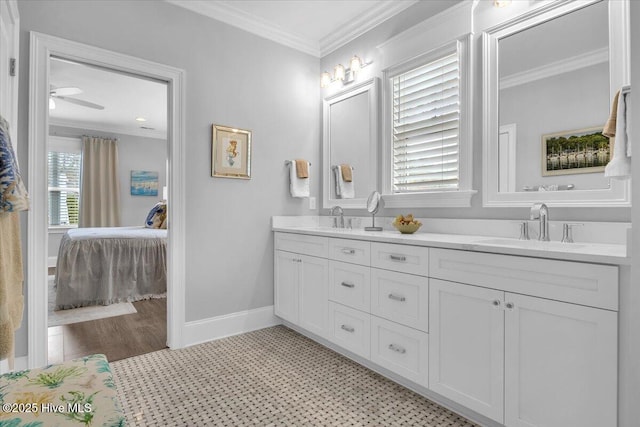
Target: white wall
(373, 46)
(233, 78)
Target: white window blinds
(64, 187)
(425, 126)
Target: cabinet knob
(347, 328)
(509, 305)
(397, 349)
(496, 302)
(397, 297)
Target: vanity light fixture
(140, 119)
(346, 76)
(501, 3)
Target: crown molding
(374, 16)
(99, 127)
(225, 11)
(566, 65)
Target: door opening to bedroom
(107, 211)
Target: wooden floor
(117, 337)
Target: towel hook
(336, 167)
(288, 162)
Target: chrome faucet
(339, 211)
(541, 212)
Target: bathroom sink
(532, 244)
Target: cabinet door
(466, 346)
(286, 286)
(313, 314)
(560, 364)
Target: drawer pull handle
(348, 285)
(397, 297)
(347, 328)
(348, 251)
(401, 258)
(397, 349)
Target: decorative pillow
(157, 217)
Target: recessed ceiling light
(140, 119)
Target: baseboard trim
(214, 328)
(19, 364)
(52, 261)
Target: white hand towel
(299, 187)
(344, 190)
(620, 165)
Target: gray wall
(233, 78)
(134, 153)
(582, 96)
(484, 17)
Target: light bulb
(338, 72)
(355, 64)
(325, 79)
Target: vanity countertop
(584, 252)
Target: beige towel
(11, 278)
(302, 168)
(346, 173)
(610, 127)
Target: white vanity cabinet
(301, 274)
(520, 340)
(559, 359)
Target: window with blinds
(425, 127)
(64, 187)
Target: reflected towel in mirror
(344, 189)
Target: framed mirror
(350, 138)
(549, 77)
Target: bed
(108, 265)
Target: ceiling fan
(64, 94)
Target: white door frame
(42, 46)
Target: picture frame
(144, 183)
(575, 151)
(230, 152)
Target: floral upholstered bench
(74, 393)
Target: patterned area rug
(83, 314)
(270, 377)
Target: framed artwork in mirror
(575, 151)
(230, 152)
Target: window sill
(60, 229)
(441, 199)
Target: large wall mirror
(549, 78)
(350, 138)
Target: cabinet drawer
(350, 285)
(350, 329)
(303, 244)
(576, 282)
(402, 258)
(403, 298)
(400, 349)
(353, 251)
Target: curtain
(99, 187)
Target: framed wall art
(575, 151)
(230, 152)
(144, 183)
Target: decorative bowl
(407, 228)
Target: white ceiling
(123, 96)
(317, 27)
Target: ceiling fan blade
(66, 91)
(81, 102)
